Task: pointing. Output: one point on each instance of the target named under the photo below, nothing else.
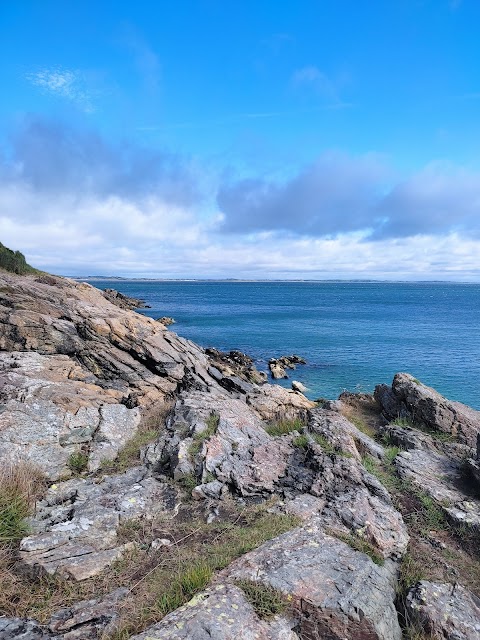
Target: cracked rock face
(409, 398)
(219, 613)
(441, 477)
(335, 591)
(75, 526)
(445, 611)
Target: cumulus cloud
(78, 205)
(51, 157)
(341, 194)
(69, 84)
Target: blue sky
(317, 139)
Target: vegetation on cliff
(14, 261)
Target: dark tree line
(14, 261)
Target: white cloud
(311, 78)
(69, 84)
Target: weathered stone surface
(235, 363)
(342, 434)
(335, 591)
(166, 320)
(239, 453)
(441, 477)
(88, 619)
(52, 410)
(298, 386)
(219, 613)
(123, 301)
(121, 349)
(277, 366)
(75, 526)
(410, 398)
(22, 629)
(445, 611)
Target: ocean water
(353, 335)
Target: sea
(354, 335)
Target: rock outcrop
(123, 301)
(79, 373)
(411, 399)
(277, 366)
(444, 611)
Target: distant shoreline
(266, 281)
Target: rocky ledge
(140, 433)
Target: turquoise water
(353, 335)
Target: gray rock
(89, 619)
(410, 398)
(334, 591)
(219, 613)
(298, 386)
(445, 611)
(342, 434)
(75, 526)
(22, 629)
(441, 478)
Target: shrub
(78, 462)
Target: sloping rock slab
(410, 398)
(342, 434)
(445, 611)
(439, 476)
(219, 613)
(336, 592)
(52, 409)
(76, 524)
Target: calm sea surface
(353, 335)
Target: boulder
(411, 399)
(334, 591)
(123, 301)
(277, 366)
(444, 611)
(219, 613)
(166, 320)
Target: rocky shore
(173, 493)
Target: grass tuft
(78, 462)
(360, 544)
(265, 599)
(283, 427)
(21, 484)
(212, 423)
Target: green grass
(391, 453)
(301, 442)
(129, 455)
(362, 425)
(283, 427)
(266, 601)
(360, 544)
(21, 485)
(188, 482)
(77, 462)
(212, 423)
(428, 514)
(328, 447)
(441, 436)
(186, 569)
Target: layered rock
(444, 611)
(409, 398)
(75, 525)
(277, 366)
